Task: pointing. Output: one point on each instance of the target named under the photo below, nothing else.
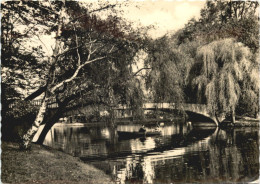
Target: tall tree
(225, 64)
(81, 39)
(224, 19)
(165, 79)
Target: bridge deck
(185, 106)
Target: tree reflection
(178, 155)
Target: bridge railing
(184, 106)
(195, 107)
(52, 104)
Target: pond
(180, 154)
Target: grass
(242, 121)
(45, 165)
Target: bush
(17, 120)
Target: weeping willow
(226, 65)
(135, 97)
(249, 101)
(167, 76)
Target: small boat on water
(124, 134)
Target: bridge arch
(201, 119)
(194, 111)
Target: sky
(166, 16)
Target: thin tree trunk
(218, 122)
(113, 118)
(181, 128)
(217, 135)
(242, 11)
(233, 119)
(256, 113)
(27, 138)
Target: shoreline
(43, 164)
(240, 122)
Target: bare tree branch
(36, 93)
(66, 51)
(111, 49)
(92, 52)
(141, 70)
(99, 9)
(75, 74)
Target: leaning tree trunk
(28, 136)
(218, 122)
(46, 129)
(51, 121)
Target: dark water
(179, 154)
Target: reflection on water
(177, 155)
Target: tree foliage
(90, 59)
(226, 22)
(87, 57)
(165, 78)
(224, 19)
(225, 65)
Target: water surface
(180, 154)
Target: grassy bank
(45, 165)
(242, 122)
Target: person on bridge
(142, 129)
(158, 127)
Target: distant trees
(224, 19)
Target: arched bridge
(194, 111)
